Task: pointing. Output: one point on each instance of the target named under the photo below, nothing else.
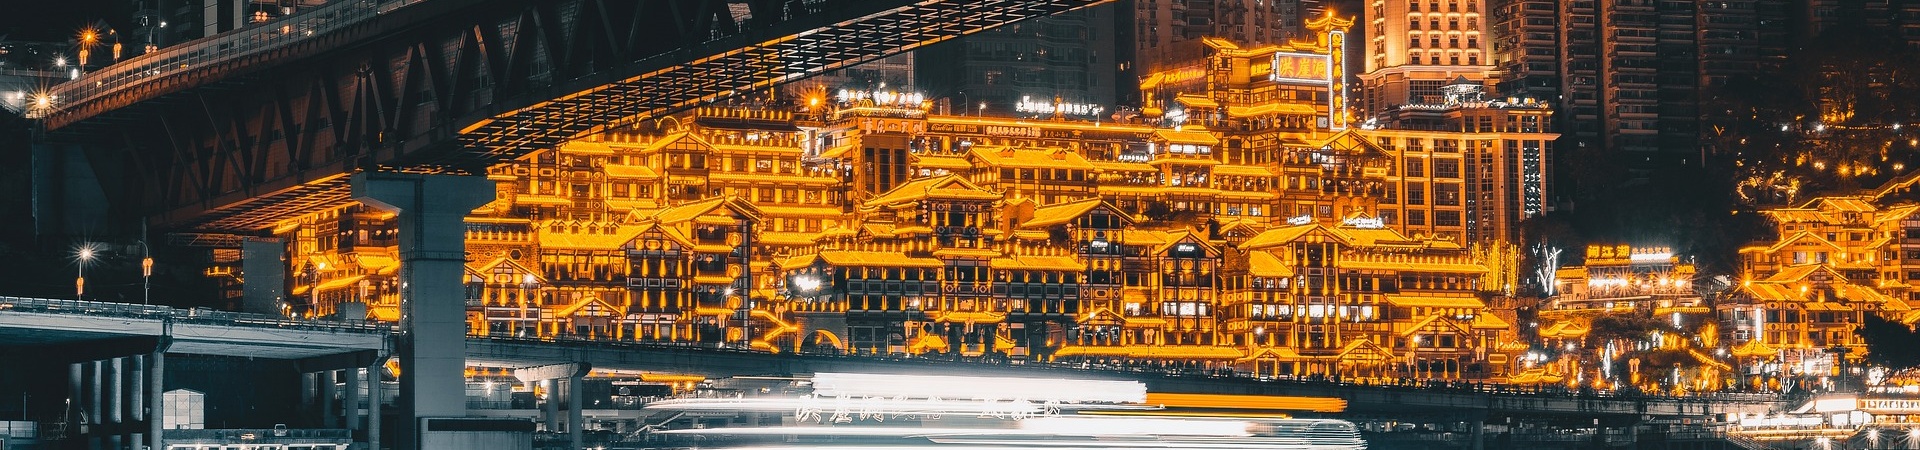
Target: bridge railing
(217, 49)
(178, 316)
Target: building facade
(1467, 166)
(1631, 317)
(1230, 226)
(1416, 48)
(1800, 297)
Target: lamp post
(146, 255)
(84, 256)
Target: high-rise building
(1070, 56)
(1415, 47)
(1630, 77)
(163, 23)
(1819, 16)
(1467, 166)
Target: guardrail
(216, 49)
(180, 316)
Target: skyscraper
(1415, 47)
(1070, 56)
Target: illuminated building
(1631, 76)
(1231, 227)
(1468, 167)
(1837, 258)
(1628, 305)
(1415, 48)
(1071, 55)
(1164, 30)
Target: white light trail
(982, 388)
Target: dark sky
(57, 20)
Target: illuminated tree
(1890, 343)
(1835, 118)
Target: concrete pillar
(156, 387)
(430, 211)
(551, 408)
(111, 379)
(95, 403)
(136, 381)
(350, 401)
(263, 262)
(374, 395)
(1479, 441)
(328, 419)
(576, 397)
(309, 384)
(76, 397)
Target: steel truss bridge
(225, 136)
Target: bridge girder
(458, 85)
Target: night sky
(58, 20)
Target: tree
(1889, 343)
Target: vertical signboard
(1337, 79)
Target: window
(1416, 167)
(1416, 195)
(1446, 218)
(1446, 194)
(1416, 217)
(1446, 168)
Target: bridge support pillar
(156, 390)
(1479, 439)
(328, 417)
(432, 342)
(576, 429)
(350, 401)
(550, 409)
(562, 382)
(113, 392)
(374, 396)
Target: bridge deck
(31, 322)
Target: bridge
(226, 135)
(28, 323)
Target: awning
(1186, 137)
(1274, 353)
(1267, 265)
(1155, 352)
(1060, 263)
(850, 258)
(1195, 101)
(971, 317)
(1239, 170)
(1435, 302)
(928, 342)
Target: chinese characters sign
(1301, 68)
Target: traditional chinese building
(1232, 225)
(1628, 307)
(1800, 297)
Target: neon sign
(1027, 105)
(1302, 68)
(1302, 219)
(882, 98)
(1370, 223)
(1337, 79)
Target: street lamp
(82, 257)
